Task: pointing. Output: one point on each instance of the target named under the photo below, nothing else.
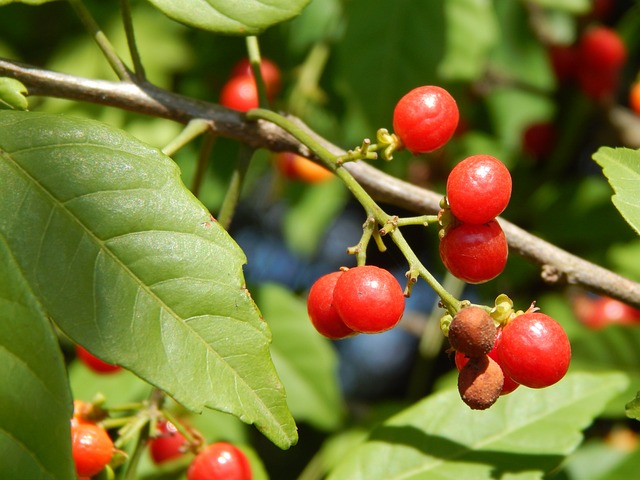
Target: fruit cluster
(496, 357)
(595, 61)
(473, 246)
(240, 92)
(363, 299)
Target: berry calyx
(472, 332)
(425, 119)
(322, 311)
(220, 461)
(474, 253)
(168, 445)
(478, 189)
(368, 299)
(94, 363)
(269, 71)
(534, 350)
(240, 93)
(91, 448)
(480, 382)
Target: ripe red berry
(474, 253)
(322, 311)
(534, 350)
(425, 119)
(539, 139)
(91, 448)
(368, 299)
(564, 61)
(602, 311)
(169, 444)
(269, 71)
(634, 97)
(509, 385)
(472, 332)
(240, 93)
(478, 189)
(220, 461)
(601, 48)
(94, 363)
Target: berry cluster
(363, 299)
(595, 61)
(240, 91)
(494, 358)
(473, 246)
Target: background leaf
(622, 167)
(35, 401)
(231, 17)
(130, 265)
(523, 435)
(12, 94)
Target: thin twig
(557, 265)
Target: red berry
(539, 139)
(322, 311)
(478, 189)
(94, 363)
(368, 299)
(169, 444)
(601, 48)
(297, 167)
(564, 61)
(534, 350)
(220, 461)
(475, 253)
(634, 97)
(269, 71)
(240, 93)
(425, 119)
(509, 385)
(91, 448)
(602, 311)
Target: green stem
(253, 50)
(203, 163)
(371, 207)
(107, 48)
(232, 196)
(193, 129)
(127, 20)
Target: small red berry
(297, 167)
(240, 93)
(368, 299)
(94, 363)
(269, 71)
(169, 444)
(602, 311)
(322, 311)
(91, 448)
(539, 139)
(425, 119)
(475, 253)
(534, 350)
(478, 189)
(634, 97)
(601, 48)
(564, 61)
(509, 385)
(220, 461)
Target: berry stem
(371, 207)
(194, 129)
(253, 51)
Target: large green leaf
(129, 264)
(622, 167)
(523, 435)
(35, 401)
(249, 17)
(305, 360)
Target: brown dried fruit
(472, 332)
(480, 382)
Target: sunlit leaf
(12, 94)
(523, 435)
(231, 17)
(573, 6)
(622, 167)
(132, 266)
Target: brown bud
(472, 332)
(480, 382)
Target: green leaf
(129, 264)
(230, 17)
(12, 94)
(632, 409)
(28, 2)
(573, 6)
(621, 166)
(35, 401)
(467, 45)
(305, 360)
(523, 435)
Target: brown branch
(556, 265)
